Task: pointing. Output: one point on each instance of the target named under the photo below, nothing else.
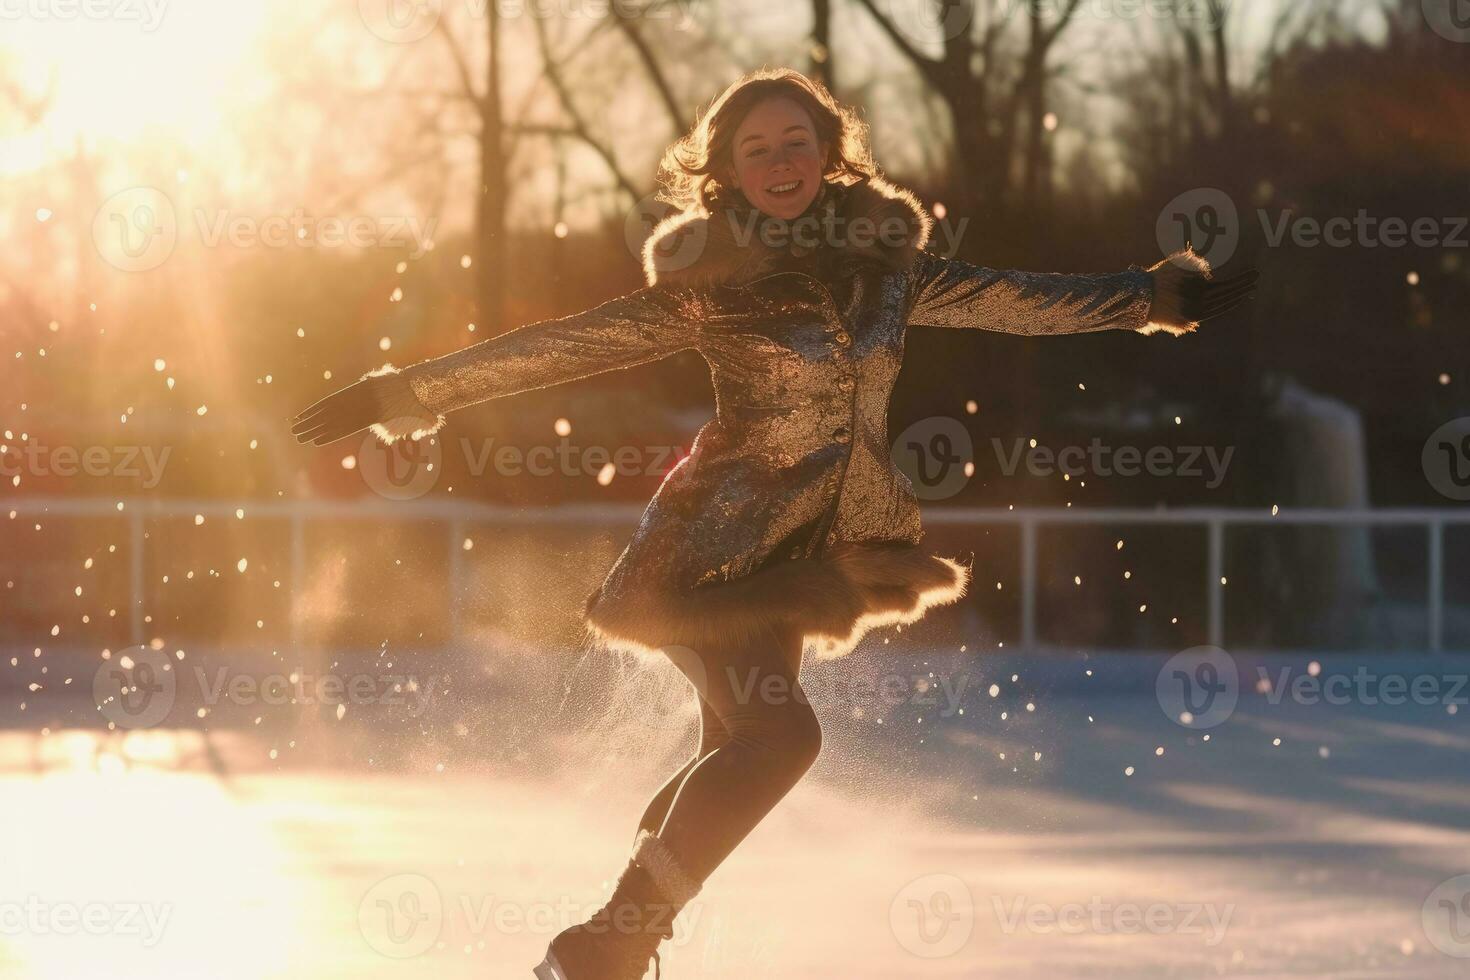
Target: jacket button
(843, 435)
(845, 386)
(843, 337)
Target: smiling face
(778, 162)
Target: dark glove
(382, 400)
(1186, 294)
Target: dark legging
(758, 737)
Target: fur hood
(873, 220)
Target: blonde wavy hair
(695, 169)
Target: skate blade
(550, 969)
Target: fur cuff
(1168, 274)
(401, 414)
(672, 881)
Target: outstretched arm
(641, 326)
(1172, 296)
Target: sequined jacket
(789, 507)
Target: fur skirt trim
(835, 600)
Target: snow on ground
(1300, 840)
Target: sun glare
(127, 71)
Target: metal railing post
(135, 573)
(1436, 586)
(456, 573)
(298, 576)
(1216, 562)
(1028, 583)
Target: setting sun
(149, 70)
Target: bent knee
(788, 732)
(798, 736)
(811, 743)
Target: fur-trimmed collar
(697, 249)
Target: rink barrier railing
(458, 514)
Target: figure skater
(794, 269)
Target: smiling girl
(795, 270)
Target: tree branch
(927, 66)
(578, 124)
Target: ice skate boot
(620, 939)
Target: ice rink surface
(946, 832)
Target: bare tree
(985, 92)
(491, 192)
(821, 43)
